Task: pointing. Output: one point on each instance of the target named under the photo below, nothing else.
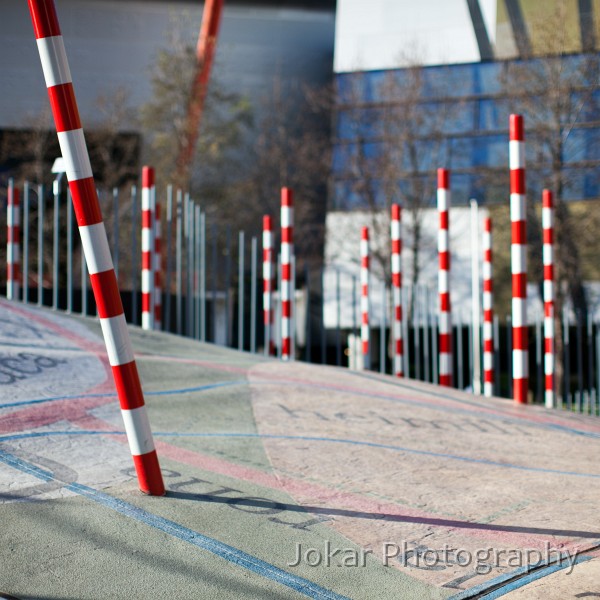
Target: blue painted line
(210, 386)
(482, 587)
(482, 461)
(200, 388)
(535, 575)
(220, 549)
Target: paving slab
(284, 480)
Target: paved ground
(285, 480)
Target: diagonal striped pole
(548, 260)
(287, 284)
(445, 316)
(365, 332)
(518, 252)
(396, 235)
(268, 285)
(13, 244)
(148, 249)
(488, 310)
(158, 265)
(95, 244)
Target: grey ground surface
(263, 458)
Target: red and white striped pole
(287, 288)
(445, 316)
(95, 244)
(488, 310)
(157, 264)
(548, 260)
(364, 297)
(518, 251)
(268, 284)
(148, 249)
(397, 289)
(13, 244)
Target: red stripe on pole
(64, 107)
(106, 290)
(147, 465)
(516, 128)
(519, 285)
(44, 18)
(147, 177)
(519, 232)
(86, 212)
(517, 181)
(127, 383)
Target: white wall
(386, 34)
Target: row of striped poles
(95, 244)
(287, 279)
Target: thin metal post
(279, 307)
(55, 247)
(383, 328)
(510, 354)
(405, 325)
(538, 359)
(189, 301)
(135, 260)
(434, 337)
(425, 313)
(323, 331)
(417, 333)
(308, 336)
(590, 353)
(355, 332)
(241, 269)
(579, 361)
(203, 276)
(40, 256)
(496, 342)
(197, 274)
(566, 357)
(115, 249)
(475, 295)
(471, 356)
(214, 281)
(338, 313)
(228, 328)
(459, 351)
(178, 264)
(253, 290)
(69, 208)
(26, 242)
(168, 292)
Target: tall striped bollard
(158, 264)
(13, 247)
(488, 310)
(445, 316)
(148, 249)
(548, 260)
(287, 285)
(364, 297)
(95, 244)
(518, 250)
(268, 285)
(396, 236)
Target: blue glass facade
(405, 123)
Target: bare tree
(396, 145)
(555, 92)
